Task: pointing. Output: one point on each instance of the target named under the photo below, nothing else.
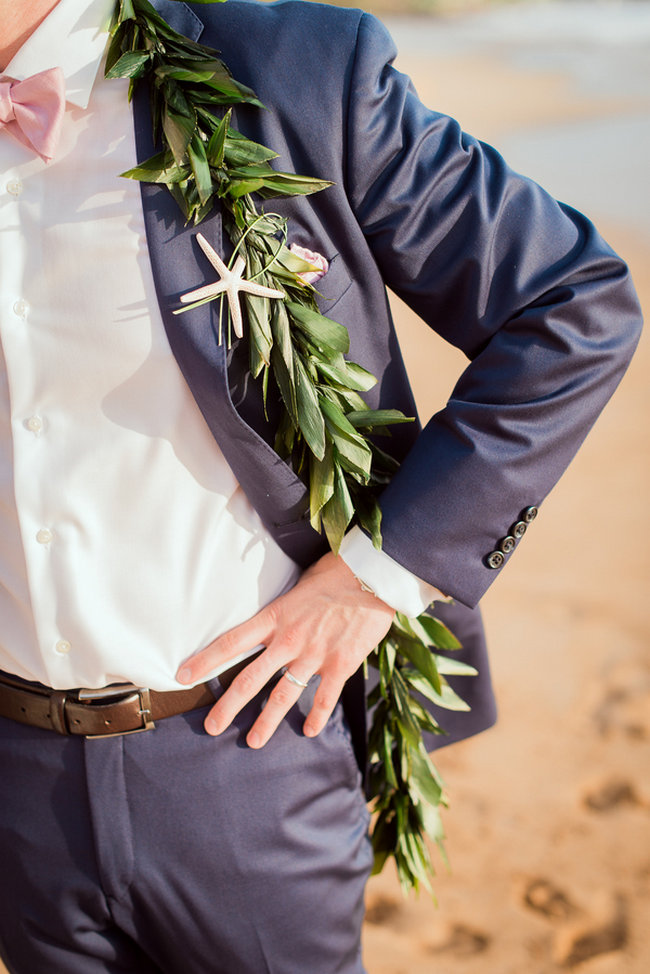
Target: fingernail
(184, 675)
(212, 727)
(254, 739)
(309, 730)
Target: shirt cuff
(389, 580)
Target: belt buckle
(117, 692)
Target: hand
(326, 624)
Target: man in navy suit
(153, 538)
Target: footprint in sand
(602, 930)
(543, 896)
(610, 793)
(584, 933)
(625, 706)
(459, 940)
(455, 939)
(381, 909)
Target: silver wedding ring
(292, 679)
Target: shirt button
(44, 536)
(21, 308)
(63, 646)
(15, 187)
(34, 424)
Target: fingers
(326, 624)
(284, 696)
(322, 708)
(254, 632)
(244, 688)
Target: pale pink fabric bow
(32, 110)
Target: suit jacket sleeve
(524, 285)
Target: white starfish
(230, 283)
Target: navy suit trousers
(170, 851)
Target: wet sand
(549, 824)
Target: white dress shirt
(126, 542)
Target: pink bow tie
(32, 110)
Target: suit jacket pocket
(332, 286)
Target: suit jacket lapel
(180, 17)
(178, 266)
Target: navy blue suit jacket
(541, 306)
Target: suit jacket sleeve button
(507, 544)
(529, 514)
(495, 559)
(518, 529)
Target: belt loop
(57, 711)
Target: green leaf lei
(325, 427)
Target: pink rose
(316, 260)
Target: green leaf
(338, 422)
(133, 64)
(423, 780)
(422, 659)
(321, 485)
(200, 168)
(236, 188)
(327, 335)
(369, 515)
(290, 184)
(415, 630)
(178, 131)
(282, 359)
(310, 418)
(341, 373)
(383, 462)
(174, 100)
(241, 151)
(425, 720)
(352, 450)
(217, 143)
(114, 51)
(378, 417)
(387, 755)
(212, 73)
(178, 193)
(447, 698)
(293, 263)
(261, 339)
(338, 512)
(447, 666)
(441, 637)
(405, 718)
(285, 436)
(387, 657)
(420, 858)
(126, 10)
(360, 378)
(160, 168)
(432, 822)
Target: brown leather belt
(118, 709)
